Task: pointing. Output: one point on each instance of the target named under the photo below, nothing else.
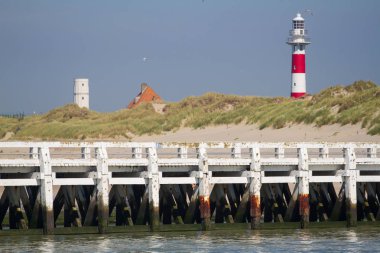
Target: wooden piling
(142, 212)
(192, 206)
(350, 186)
(254, 188)
(204, 188)
(303, 187)
(46, 191)
(102, 189)
(153, 189)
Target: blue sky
(192, 47)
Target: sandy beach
(242, 132)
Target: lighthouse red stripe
(298, 63)
(297, 94)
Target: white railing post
(254, 187)
(350, 177)
(33, 153)
(371, 152)
(182, 152)
(279, 152)
(154, 189)
(303, 186)
(324, 152)
(204, 187)
(137, 152)
(102, 185)
(85, 152)
(236, 150)
(46, 191)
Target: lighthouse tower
(298, 40)
(81, 93)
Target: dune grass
(356, 103)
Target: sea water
(316, 240)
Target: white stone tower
(81, 93)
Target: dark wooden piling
(304, 209)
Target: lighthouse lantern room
(298, 40)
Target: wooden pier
(50, 185)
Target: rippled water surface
(323, 240)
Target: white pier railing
(105, 164)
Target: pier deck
(113, 184)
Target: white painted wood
(154, 184)
(228, 180)
(178, 180)
(326, 179)
(137, 152)
(228, 161)
(86, 152)
(368, 179)
(128, 162)
(128, 181)
(350, 176)
(62, 162)
(19, 163)
(324, 152)
(275, 161)
(177, 162)
(371, 152)
(236, 150)
(182, 152)
(204, 181)
(102, 187)
(276, 180)
(46, 189)
(279, 152)
(33, 152)
(74, 181)
(20, 182)
(303, 168)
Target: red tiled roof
(147, 94)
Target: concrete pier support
(254, 188)
(204, 188)
(303, 187)
(46, 191)
(154, 189)
(350, 177)
(102, 185)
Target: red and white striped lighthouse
(298, 40)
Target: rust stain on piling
(204, 206)
(304, 209)
(255, 211)
(304, 204)
(255, 206)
